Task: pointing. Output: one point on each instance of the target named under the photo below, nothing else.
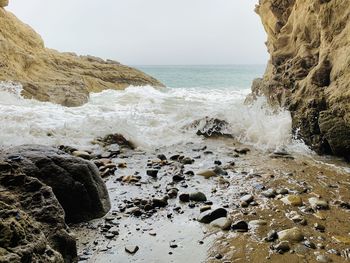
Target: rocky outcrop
(75, 182)
(42, 188)
(48, 75)
(309, 69)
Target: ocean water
(148, 116)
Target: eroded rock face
(309, 69)
(48, 75)
(75, 182)
(32, 222)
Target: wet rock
(219, 171)
(184, 197)
(257, 223)
(281, 154)
(159, 202)
(247, 198)
(271, 236)
(198, 197)
(309, 244)
(211, 127)
(75, 182)
(82, 154)
(282, 247)
(293, 200)
(187, 160)
(162, 157)
(152, 173)
(224, 223)
(242, 151)
(319, 227)
(172, 193)
(240, 226)
(131, 249)
(211, 215)
(282, 191)
(116, 139)
(291, 235)
(217, 162)
(178, 178)
(135, 211)
(205, 208)
(270, 193)
(207, 173)
(323, 259)
(318, 204)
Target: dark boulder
(75, 182)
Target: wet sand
(172, 233)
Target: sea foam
(149, 117)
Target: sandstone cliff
(309, 69)
(48, 75)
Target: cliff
(309, 68)
(48, 75)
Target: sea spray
(150, 117)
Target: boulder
(75, 182)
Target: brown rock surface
(309, 69)
(48, 75)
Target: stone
(132, 249)
(152, 173)
(240, 226)
(242, 151)
(282, 191)
(271, 236)
(205, 208)
(270, 193)
(198, 197)
(247, 198)
(75, 182)
(4, 3)
(293, 200)
(292, 235)
(211, 215)
(187, 160)
(318, 204)
(282, 247)
(156, 202)
(323, 259)
(184, 197)
(224, 223)
(257, 223)
(82, 154)
(319, 227)
(211, 127)
(207, 174)
(162, 157)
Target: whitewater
(148, 116)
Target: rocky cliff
(309, 68)
(48, 75)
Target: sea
(152, 117)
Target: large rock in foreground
(48, 75)
(309, 69)
(75, 182)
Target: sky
(150, 32)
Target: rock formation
(309, 69)
(48, 75)
(42, 188)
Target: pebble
(270, 193)
(323, 259)
(207, 174)
(318, 204)
(224, 223)
(293, 200)
(82, 154)
(240, 226)
(247, 198)
(198, 197)
(153, 173)
(211, 215)
(271, 236)
(282, 247)
(319, 227)
(292, 235)
(184, 198)
(205, 208)
(131, 249)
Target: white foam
(150, 117)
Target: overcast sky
(145, 32)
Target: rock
(159, 202)
(224, 223)
(75, 182)
(247, 198)
(184, 197)
(318, 204)
(205, 208)
(132, 249)
(173, 244)
(293, 200)
(282, 191)
(314, 86)
(319, 227)
(242, 151)
(211, 215)
(240, 226)
(257, 223)
(309, 244)
(271, 236)
(207, 173)
(211, 127)
(187, 160)
(292, 235)
(270, 193)
(152, 173)
(282, 247)
(4, 3)
(115, 140)
(161, 157)
(219, 171)
(82, 154)
(198, 197)
(323, 259)
(342, 239)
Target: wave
(151, 118)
